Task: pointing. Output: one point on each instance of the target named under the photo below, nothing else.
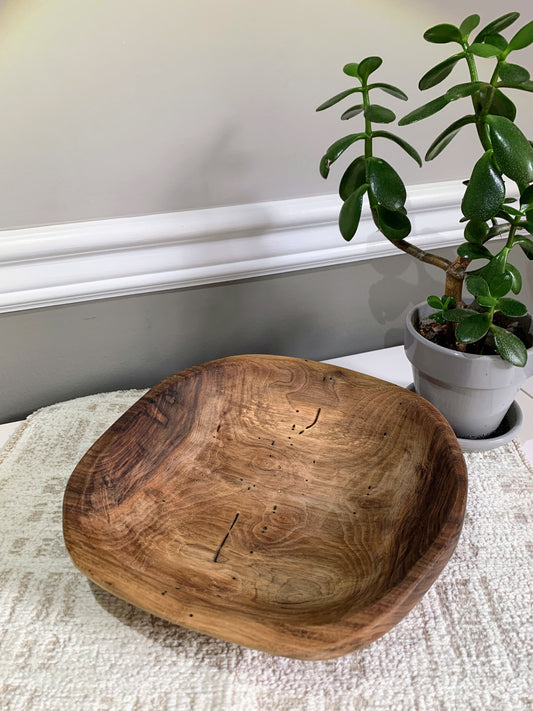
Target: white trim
(61, 264)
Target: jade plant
(497, 206)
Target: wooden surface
(291, 506)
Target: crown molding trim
(68, 263)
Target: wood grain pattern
(283, 504)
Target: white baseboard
(68, 263)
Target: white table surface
(6, 431)
(389, 364)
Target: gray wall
(53, 354)
(130, 107)
(58, 353)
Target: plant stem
(472, 69)
(495, 230)
(421, 254)
(368, 123)
(455, 275)
(368, 149)
(481, 126)
(510, 238)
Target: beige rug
(66, 645)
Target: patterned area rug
(66, 644)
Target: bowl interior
(263, 488)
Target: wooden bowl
(286, 505)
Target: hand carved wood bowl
(283, 504)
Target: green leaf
(393, 223)
(516, 278)
(527, 246)
(485, 191)
(486, 301)
(350, 213)
(351, 69)
(439, 72)
(473, 328)
(448, 302)
(354, 176)
(400, 142)
(509, 346)
(512, 307)
(468, 24)
(526, 198)
(498, 25)
(434, 302)
(353, 111)
(369, 65)
(496, 266)
(337, 149)
(444, 138)
(465, 89)
(457, 315)
(512, 150)
(338, 97)
(424, 111)
(379, 114)
(441, 34)
(500, 284)
(500, 104)
(473, 251)
(477, 286)
(390, 89)
(523, 38)
(513, 73)
(324, 166)
(508, 213)
(497, 40)
(480, 49)
(385, 183)
(437, 316)
(528, 250)
(527, 225)
(525, 86)
(476, 231)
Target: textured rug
(65, 644)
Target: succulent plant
(502, 170)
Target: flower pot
(473, 392)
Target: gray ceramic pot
(473, 392)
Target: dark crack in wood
(225, 538)
(313, 423)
